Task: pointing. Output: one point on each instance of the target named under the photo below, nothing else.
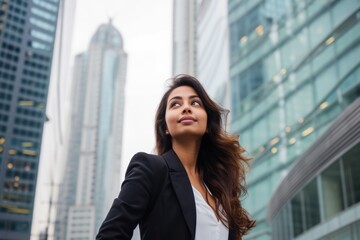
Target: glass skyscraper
(92, 173)
(27, 32)
(294, 69)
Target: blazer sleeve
(142, 182)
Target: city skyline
(291, 74)
(148, 67)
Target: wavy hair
(221, 162)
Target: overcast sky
(145, 26)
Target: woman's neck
(188, 152)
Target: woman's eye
(174, 104)
(196, 103)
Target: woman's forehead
(183, 92)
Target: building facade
(294, 69)
(27, 33)
(94, 151)
(67, 187)
(53, 142)
(201, 45)
(320, 197)
(184, 37)
(212, 49)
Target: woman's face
(185, 114)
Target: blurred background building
(27, 33)
(54, 142)
(201, 44)
(184, 37)
(294, 71)
(92, 172)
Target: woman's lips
(187, 120)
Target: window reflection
(332, 191)
(352, 177)
(311, 204)
(297, 218)
(306, 206)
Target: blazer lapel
(182, 188)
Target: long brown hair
(221, 163)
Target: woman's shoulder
(151, 158)
(149, 162)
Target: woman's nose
(186, 108)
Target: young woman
(192, 188)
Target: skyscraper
(53, 144)
(92, 174)
(27, 32)
(212, 49)
(184, 37)
(201, 44)
(294, 70)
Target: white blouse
(207, 225)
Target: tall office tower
(92, 174)
(53, 142)
(67, 188)
(184, 37)
(201, 44)
(294, 70)
(27, 32)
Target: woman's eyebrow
(179, 98)
(176, 97)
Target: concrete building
(294, 70)
(27, 34)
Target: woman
(191, 189)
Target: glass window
(302, 74)
(300, 45)
(297, 218)
(292, 150)
(294, 50)
(19, 226)
(260, 132)
(235, 99)
(341, 10)
(351, 162)
(270, 67)
(42, 24)
(325, 82)
(274, 123)
(261, 194)
(332, 190)
(41, 46)
(245, 138)
(45, 5)
(350, 60)
(42, 36)
(319, 29)
(311, 204)
(323, 58)
(299, 105)
(260, 168)
(347, 38)
(309, 135)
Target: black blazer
(157, 195)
